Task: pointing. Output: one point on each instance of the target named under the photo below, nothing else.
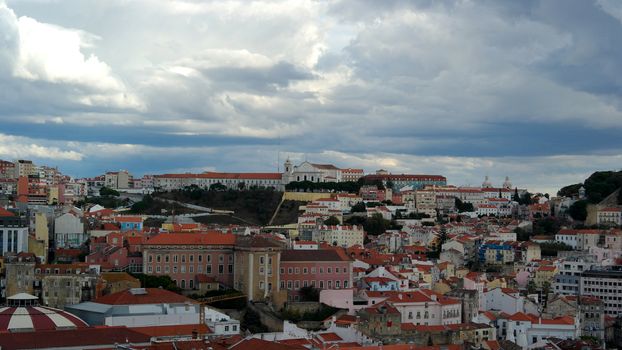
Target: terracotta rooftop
(208, 238)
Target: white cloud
(54, 54)
(12, 147)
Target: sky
(526, 89)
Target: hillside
(598, 186)
(251, 206)
(602, 187)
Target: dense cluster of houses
(441, 275)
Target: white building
(69, 230)
(138, 307)
(528, 329)
(604, 283)
(508, 300)
(311, 172)
(568, 237)
(342, 236)
(609, 216)
(221, 323)
(567, 280)
(13, 232)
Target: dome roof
(24, 315)
(37, 318)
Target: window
(290, 270)
(150, 258)
(336, 284)
(191, 268)
(298, 270)
(289, 284)
(150, 269)
(158, 258)
(328, 270)
(183, 284)
(200, 258)
(261, 285)
(166, 258)
(166, 269)
(221, 258)
(230, 269)
(282, 271)
(321, 270)
(305, 270)
(191, 258)
(183, 258)
(175, 258)
(174, 269)
(297, 284)
(345, 284)
(209, 258)
(226, 328)
(208, 269)
(183, 269)
(321, 284)
(158, 269)
(261, 260)
(191, 284)
(221, 268)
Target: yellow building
(256, 272)
(545, 274)
(37, 247)
(497, 283)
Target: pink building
(186, 256)
(323, 269)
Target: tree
(516, 197)
(108, 192)
(309, 293)
(332, 221)
(241, 185)
(376, 225)
(463, 207)
(217, 187)
(578, 210)
(570, 190)
(521, 234)
(552, 248)
(358, 208)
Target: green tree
(108, 192)
(332, 221)
(217, 187)
(578, 210)
(552, 248)
(376, 225)
(358, 208)
(463, 207)
(309, 293)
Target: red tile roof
(5, 213)
(76, 338)
(128, 219)
(209, 238)
(175, 330)
(152, 296)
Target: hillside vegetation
(598, 186)
(253, 206)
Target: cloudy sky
(529, 89)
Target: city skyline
(462, 89)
